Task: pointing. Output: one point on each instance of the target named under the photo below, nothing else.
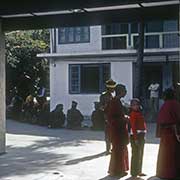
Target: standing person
(154, 96)
(74, 117)
(138, 130)
(118, 133)
(104, 100)
(168, 121)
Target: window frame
(101, 84)
(75, 32)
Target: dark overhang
(31, 14)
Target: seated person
(74, 117)
(57, 117)
(41, 107)
(45, 114)
(14, 109)
(28, 108)
(97, 117)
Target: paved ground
(39, 153)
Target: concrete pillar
(2, 91)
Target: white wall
(121, 72)
(59, 91)
(93, 46)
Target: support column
(139, 62)
(2, 91)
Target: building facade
(83, 58)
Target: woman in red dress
(118, 134)
(168, 163)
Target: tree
(24, 70)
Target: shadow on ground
(87, 158)
(34, 156)
(31, 159)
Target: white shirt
(154, 88)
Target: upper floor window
(114, 42)
(117, 28)
(88, 78)
(67, 35)
(160, 34)
(170, 25)
(154, 26)
(114, 36)
(161, 26)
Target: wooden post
(2, 91)
(139, 62)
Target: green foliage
(24, 70)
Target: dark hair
(59, 106)
(119, 88)
(168, 94)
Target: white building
(83, 58)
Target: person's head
(153, 81)
(59, 107)
(168, 94)
(135, 104)
(96, 105)
(74, 104)
(110, 85)
(120, 90)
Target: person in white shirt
(154, 96)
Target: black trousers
(137, 154)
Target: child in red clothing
(138, 131)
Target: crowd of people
(36, 110)
(122, 128)
(121, 125)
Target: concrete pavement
(39, 153)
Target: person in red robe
(168, 123)
(118, 134)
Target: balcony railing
(151, 41)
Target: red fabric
(169, 112)
(168, 164)
(118, 135)
(137, 122)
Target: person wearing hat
(118, 134)
(138, 131)
(74, 117)
(104, 101)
